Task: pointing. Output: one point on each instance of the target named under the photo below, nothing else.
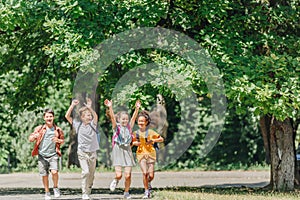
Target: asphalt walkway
(27, 186)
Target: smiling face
(86, 117)
(142, 123)
(123, 119)
(49, 118)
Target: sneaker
(56, 192)
(47, 196)
(146, 195)
(127, 195)
(85, 196)
(149, 186)
(113, 185)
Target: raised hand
(75, 102)
(88, 102)
(138, 104)
(108, 103)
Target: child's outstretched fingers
(107, 103)
(138, 104)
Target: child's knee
(54, 172)
(146, 174)
(151, 176)
(118, 175)
(127, 176)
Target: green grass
(223, 193)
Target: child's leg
(82, 157)
(150, 171)
(43, 166)
(53, 166)
(118, 176)
(46, 183)
(118, 172)
(127, 178)
(54, 178)
(144, 168)
(92, 168)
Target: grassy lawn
(223, 193)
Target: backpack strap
(146, 138)
(115, 135)
(155, 145)
(146, 135)
(79, 127)
(137, 136)
(96, 130)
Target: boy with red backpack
(48, 138)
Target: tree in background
(255, 45)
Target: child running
(48, 138)
(85, 129)
(121, 141)
(144, 139)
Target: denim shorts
(46, 164)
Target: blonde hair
(117, 115)
(82, 110)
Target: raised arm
(69, 111)
(135, 114)
(89, 106)
(111, 113)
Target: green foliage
(15, 147)
(255, 45)
(276, 94)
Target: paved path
(28, 185)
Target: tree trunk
(282, 155)
(295, 125)
(264, 123)
(72, 150)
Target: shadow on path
(119, 191)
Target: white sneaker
(85, 196)
(146, 195)
(127, 195)
(113, 185)
(47, 196)
(56, 192)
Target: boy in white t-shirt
(87, 143)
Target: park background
(254, 44)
